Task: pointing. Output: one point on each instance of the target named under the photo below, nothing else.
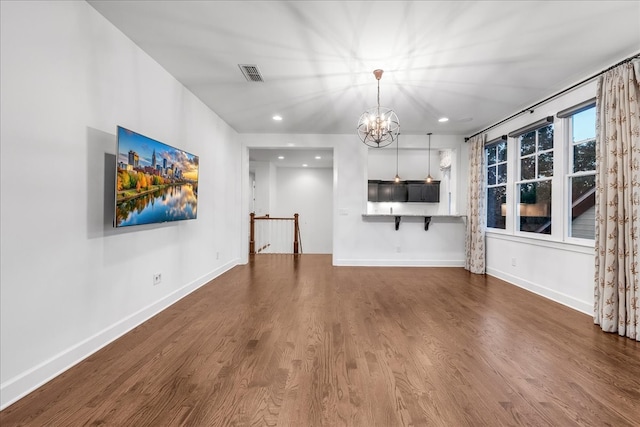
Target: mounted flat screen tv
(155, 182)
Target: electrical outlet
(398, 249)
(217, 255)
(513, 262)
(157, 278)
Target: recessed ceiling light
(304, 165)
(277, 118)
(443, 119)
(281, 157)
(318, 157)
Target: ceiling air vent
(251, 72)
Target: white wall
(252, 194)
(70, 283)
(555, 268)
(266, 190)
(308, 192)
(360, 241)
(559, 271)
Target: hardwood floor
(293, 341)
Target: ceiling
(473, 62)
(293, 157)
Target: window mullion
(557, 193)
(581, 173)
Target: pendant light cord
(429, 157)
(378, 108)
(397, 149)
(429, 170)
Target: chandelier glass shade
(378, 126)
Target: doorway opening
(288, 181)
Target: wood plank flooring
(293, 341)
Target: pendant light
(397, 177)
(429, 179)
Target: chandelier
(378, 126)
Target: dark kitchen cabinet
(387, 191)
(420, 191)
(373, 191)
(403, 191)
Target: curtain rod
(580, 83)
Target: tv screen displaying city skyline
(155, 182)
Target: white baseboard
(559, 297)
(397, 263)
(19, 386)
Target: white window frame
(495, 142)
(556, 222)
(567, 116)
(560, 181)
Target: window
(541, 181)
(534, 184)
(496, 161)
(582, 174)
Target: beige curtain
(474, 242)
(618, 200)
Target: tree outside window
(496, 161)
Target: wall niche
(413, 195)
